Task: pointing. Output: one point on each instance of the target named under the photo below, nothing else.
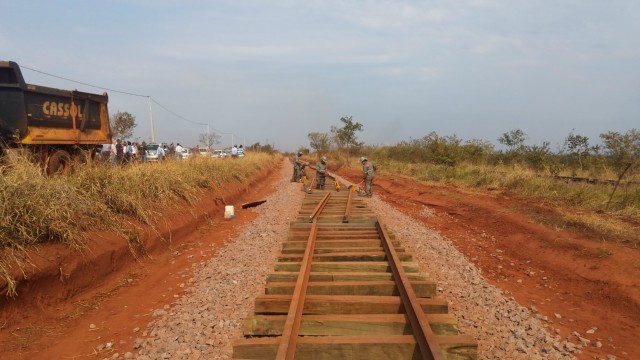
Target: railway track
(344, 288)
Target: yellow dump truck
(60, 128)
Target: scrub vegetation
(594, 187)
(37, 209)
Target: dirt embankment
(47, 318)
(562, 273)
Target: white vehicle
(152, 153)
(186, 153)
(204, 152)
(218, 154)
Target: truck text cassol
(61, 109)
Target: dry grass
(607, 228)
(582, 205)
(37, 209)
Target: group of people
(121, 152)
(299, 165)
(237, 151)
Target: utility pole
(153, 133)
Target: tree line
(616, 152)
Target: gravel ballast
(203, 323)
(504, 329)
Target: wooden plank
(304, 226)
(366, 222)
(376, 288)
(342, 228)
(346, 304)
(372, 256)
(384, 348)
(347, 266)
(333, 231)
(302, 237)
(333, 250)
(380, 347)
(282, 276)
(345, 325)
(337, 244)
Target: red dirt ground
(504, 236)
(511, 239)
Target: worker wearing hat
(298, 167)
(321, 173)
(368, 172)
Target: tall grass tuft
(36, 209)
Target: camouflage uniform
(298, 167)
(303, 171)
(321, 173)
(368, 173)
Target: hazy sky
(274, 71)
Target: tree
(538, 156)
(209, 139)
(268, 148)
(345, 137)
(624, 150)
(578, 146)
(320, 142)
(122, 125)
(478, 150)
(513, 139)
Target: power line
(175, 114)
(83, 83)
(117, 91)
(131, 94)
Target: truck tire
(80, 158)
(59, 163)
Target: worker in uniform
(297, 164)
(321, 173)
(368, 172)
(303, 171)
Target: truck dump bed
(33, 114)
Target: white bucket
(229, 212)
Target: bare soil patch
(566, 274)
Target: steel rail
(319, 207)
(347, 211)
(327, 174)
(288, 340)
(429, 347)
